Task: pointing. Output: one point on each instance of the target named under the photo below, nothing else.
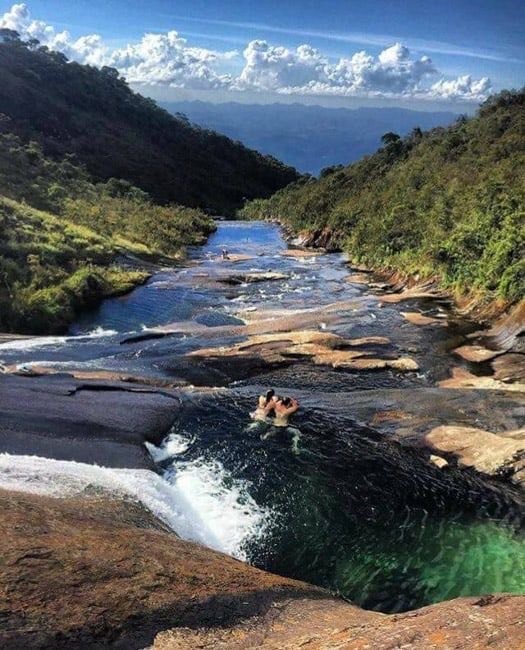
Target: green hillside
(449, 202)
(66, 243)
(77, 109)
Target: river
(353, 510)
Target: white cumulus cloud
(168, 59)
(463, 87)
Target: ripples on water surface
(352, 511)
(355, 513)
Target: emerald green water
(359, 514)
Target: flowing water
(351, 510)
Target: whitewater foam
(55, 341)
(191, 499)
(173, 445)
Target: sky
(416, 53)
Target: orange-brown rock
(95, 573)
(509, 367)
(476, 353)
(485, 451)
(296, 252)
(85, 573)
(323, 348)
(359, 278)
(495, 622)
(505, 332)
(235, 257)
(462, 378)
(426, 290)
(416, 318)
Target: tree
(9, 36)
(390, 138)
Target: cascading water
(352, 511)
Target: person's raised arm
(293, 408)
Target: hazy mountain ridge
(308, 137)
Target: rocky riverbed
(406, 491)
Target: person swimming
(265, 406)
(283, 408)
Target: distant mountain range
(307, 137)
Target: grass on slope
(450, 202)
(61, 254)
(50, 268)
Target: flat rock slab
(509, 367)
(401, 364)
(322, 348)
(105, 423)
(461, 378)
(358, 278)
(235, 257)
(417, 318)
(296, 252)
(100, 573)
(476, 353)
(486, 452)
(506, 331)
(249, 278)
(417, 292)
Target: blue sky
(331, 52)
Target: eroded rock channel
(394, 500)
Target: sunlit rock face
(90, 573)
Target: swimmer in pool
(265, 406)
(283, 409)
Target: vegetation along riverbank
(89, 173)
(445, 204)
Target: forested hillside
(449, 202)
(64, 240)
(77, 109)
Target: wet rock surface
(93, 573)
(490, 453)
(101, 422)
(97, 572)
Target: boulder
(254, 276)
(298, 253)
(485, 451)
(99, 572)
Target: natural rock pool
(355, 510)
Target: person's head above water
(270, 395)
(286, 401)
